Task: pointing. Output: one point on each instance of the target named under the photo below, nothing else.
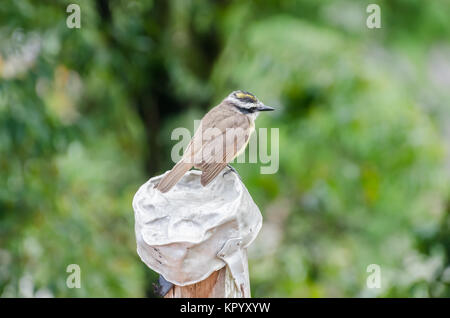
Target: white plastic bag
(191, 231)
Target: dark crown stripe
(247, 100)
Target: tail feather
(173, 176)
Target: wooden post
(220, 284)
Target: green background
(363, 117)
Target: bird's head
(247, 103)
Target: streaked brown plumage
(227, 128)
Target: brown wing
(192, 152)
(210, 171)
(195, 146)
(218, 150)
(222, 135)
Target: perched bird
(223, 134)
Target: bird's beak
(264, 108)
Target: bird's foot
(230, 168)
(162, 287)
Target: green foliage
(86, 116)
(360, 161)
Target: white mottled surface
(180, 233)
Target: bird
(222, 135)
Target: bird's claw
(230, 168)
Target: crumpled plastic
(191, 231)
